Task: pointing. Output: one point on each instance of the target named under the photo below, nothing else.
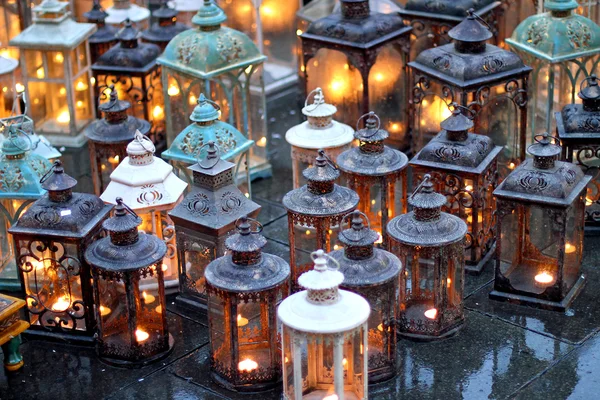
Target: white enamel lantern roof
(124, 9)
(321, 131)
(143, 180)
(323, 307)
(185, 5)
(7, 65)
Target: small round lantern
(320, 131)
(429, 243)
(378, 174)
(125, 9)
(132, 328)
(8, 94)
(150, 186)
(108, 138)
(165, 28)
(105, 36)
(325, 338)
(203, 220)
(541, 211)
(314, 211)
(244, 289)
(373, 274)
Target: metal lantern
(464, 168)
(150, 186)
(203, 220)
(539, 248)
(515, 11)
(320, 131)
(227, 66)
(430, 244)
(186, 10)
(55, 57)
(325, 338)
(359, 58)
(165, 28)
(131, 68)
(579, 131)
(105, 36)
(563, 48)
(206, 127)
(109, 136)
(122, 10)
(314, 211)
(378, 174)
(373, 274)
(8, 94)
(50, 239)
(132, 325)
(38, 144)
(490, 81)
(14, 17)
(244, 289)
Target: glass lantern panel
(419, 282)
(155, 105)
(573, 245)
(220, 331)
(113, 309)
(56, 64)
(158, 223)
(180, 101)
(49, 106)
(589, 9)
(354, 376)
(34, 64)
(130, 89)
(288, 364)
(252, 122)
(149, 315)
(198, 253)
(279, 36)
(12, 209)
(516, 11)
(82, 58)
(10, 27)
(7, 94)
(255, 337)
(241, 16)
(430, 110)
(83, 104)
(381, 335)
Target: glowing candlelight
(544, 277)
(307, 232)
(62, 304)
(247, 365)
(431, 313)
(336, 247)
(345, 364)
(299, 32)
(114, 161)
(331, 397)
(40, 73)
(20, 87)
(141, 335)
(158, 309)
(158, 112)
(104, 311)
(569, 248)
(241, 321)
(164, 267)
(479, 219)
(262, 142)
(148, 298)
(588, 201)
(379, 238)
(63, 117)
(80, 86)
(59, 58)
(469, 188)
(448, 282)
(192, 100)
(173, 90)
(511, 165)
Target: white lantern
(124, 9)
(148, 185)
(324, 338)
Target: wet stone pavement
(503, 352)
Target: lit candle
(331, 397)
(241, 321)
(157, 112)
(379, 238)
(114, 161)
(20, 88)
(544, 277)
(588, 201)
(141, 335)
(247, 365)
(104, 311)
(569, 248)
(62, 304)
(262, 142)
(148, 298)
(431, 313)
(173, 90)
(80, 86)
(63, 117)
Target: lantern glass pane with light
(358, 57)
(150, 186)
(314, 212)
(8, 91)
(373, 274)
(541, 208)
(563, 48)
(55, 56)
(319, 131)
(109, 137)
(50, 241)
(430, 245)
(578, 128)
(244, 288)
(227, 66)
(464, 168)
(14, 17)
(20, 174)
(131, 68)
(105, 36)
(325, 337)
(203, 220)
(378, 174)
(126, 9)
(488, 80)
(132, 324)
(165, 28)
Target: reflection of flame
(241, 321)
(80, 86)
(588, 201)
(569, 248)
(20, 88)
(262, 142)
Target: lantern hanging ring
(539, 139)
(251, 222)
(345, 217)
(471, 13)
(16, 130)
(142, 139)
(318, 100)
(369, 114)
(56, 163)
(119, 201)
(329, 160)
(212, 103)
(426, 179)
(320, 253)
(469, 113)
(216, 158)
(589, 79)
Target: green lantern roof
(208, 49)
(558, 34)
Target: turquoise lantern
(206, 127)
(563, 48)
(227, 66)
(20, 174)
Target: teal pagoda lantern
(206, 127)
(227, 66)
(563, 48)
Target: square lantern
(325, 338)
(165, 28)
(122, 10)
(464, 168)
(319, 131)
(589, 9)
(378, 174)
(150, 186)
(314, 211)
(224, 64)
(244, 289)
(430, 245)
(8, 93)
(374, 274)
(359, 58)
(55, 56)
(578, 129)
(105, 36)
(539, 248)
(203, 220)
(563, 48)
(132, 327)
(15, 15)
(488, 80)
(20, 174)
(50, 239)
(109, 137)
(131, 68)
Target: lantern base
(140, 363)
(38, 333)
(191, 304)
(247, 388)
(415, 337)
(591, 230)
(528, 301)
(381, 376)
(477, 268)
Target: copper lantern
(105, 36)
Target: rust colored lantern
(105, 36)
(165, 28)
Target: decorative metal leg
(13, 359)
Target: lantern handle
(470, 113)
(329, 160)
(543, 136)
(141, 138)
(22, 132)
(426, 179)
(369, 114)
(209, 101)
(45, 177)
(119, 200)
(590, 78)
(320, 253)
(251, 221)
(318, 100)
(345, 217)
(471, 12)
(18, 97)
(217, 158)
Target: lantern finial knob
(58, 184)
(359, 239)
(246, 245)
(206, 110)
(123, 226)
(322, 281)
(209, 15)
(545, 150)
(140, 150)
(319, 113)
(427, 203)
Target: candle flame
(588, 201)
(544, 277)
(104, 311)
(40, 73)
(247, 365)
(569, 248)
(192, 99)
(158, 112)
(262, 142)
(173, 90)
(241, 321)
(141, 335)
(431, 313)
(80, 86)
(63, 117)
(20, 87)
(62, 304)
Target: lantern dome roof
(470, 30)
(125, 9)
(7, 65)
(448, 8)
(164, 33)
(96, 14)
(209, 49)
(558, 34)
(318, 9)
(185, 5)
(105, 33)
